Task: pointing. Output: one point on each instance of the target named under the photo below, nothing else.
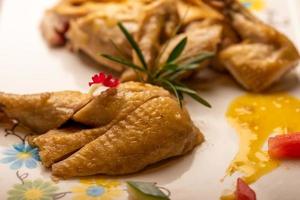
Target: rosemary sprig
(167, 75)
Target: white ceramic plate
(27, 65)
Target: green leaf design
(123, 61)
(134, 45)
(146, 191)
(177, 51)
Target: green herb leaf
(174, 73)
(134, 45)
(168, 75)
(189, 67)
(123, 61)
(193, 94)
(200, 100)
(165, 46)
(177, 51)
(166, 69)
(170, 67)
(117, 48)
(146, 191)
(175, 91)
(181, 71)
(199, 58)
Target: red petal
(102, 77)
(285, 146)
(107, 81)
(114, 83)
(99, 78)
(243, 191)
(110, 81)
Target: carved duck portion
(255, 54)
(120, 131)
(43, 112)
(262, 56)
(92, 26)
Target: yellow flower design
(254, 4)
(97, 189)
(33, 190)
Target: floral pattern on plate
(256, 5)
(20, 155)
(33, 190)
(36, 182)
(98, 189)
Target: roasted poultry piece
(120, 131)
(262, 56)
(92, 26)
(254, 53)
(43, 112)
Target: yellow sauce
(228, 197)
(255, 118)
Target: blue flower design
(21, 154)
(95, 191)
(257, 5)
(248, 4)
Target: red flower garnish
(106, 80)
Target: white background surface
(27, 65)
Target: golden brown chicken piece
(57, 144)
(110, 107)
(157, 130)
(262, 56)
(114, 105)
(43, 112)
(123, 125)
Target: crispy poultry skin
(262, 56)
(125, 129)
(255, 54)
(43, 112)
(151, 21)
(156, 130)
